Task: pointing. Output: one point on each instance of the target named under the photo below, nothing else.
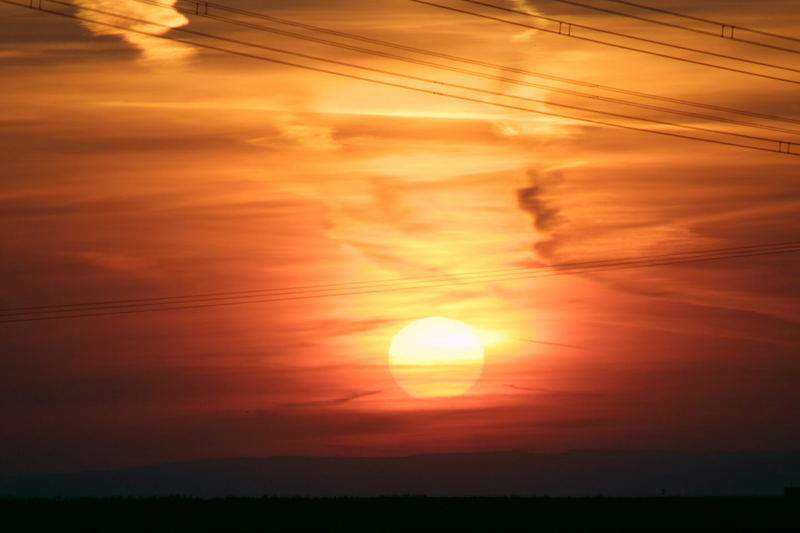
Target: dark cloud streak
(335, 401)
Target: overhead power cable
(206, 13)
(205, 8)
(159, 304)
(722, 25)
(786, 148)
(569, 25)
(778, 142)
(565, 29)
(471, 275)
(727, 31)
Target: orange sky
(132, 168)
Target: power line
(566, 30)
(493, 77)
(640, 262)
(203, 8)
(205, 13)
(779, 142)
(706, 256)
(570, 25)
(471, 275)
(727, 30)
(782, 147)
(700, 19)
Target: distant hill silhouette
(574, 473)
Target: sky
(136, 167)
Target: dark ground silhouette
(566, 492)
(574, 474)
(177, 514)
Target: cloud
(152, 48)
(546, 215)
(553, 344)
(301, 133)
(334, 401)
(552, 392)
(515, 62)
(114, 262)
(527, 7)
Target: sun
(436, 357)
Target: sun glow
(436, 357)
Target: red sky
(135, 169)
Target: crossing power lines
(230, 298)
(208, 11)
(767, 144)
(726, 30)
(722, 25)
(567, 29)
(268, 295)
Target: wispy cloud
(552, 391)
(535, 200)
(334, 401)
(113, 261)
(527, 7)
(553, 344)
(152, 48)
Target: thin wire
(633, 37)
(633, 264)
(596, 41)
(487, 76)
(692, 17)
(779, 142)
(782, 148)
(458, 86)
(369, 284)
(681, 26)
(475, 61)
(390, 289)
(619, 265)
